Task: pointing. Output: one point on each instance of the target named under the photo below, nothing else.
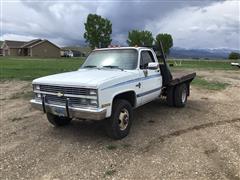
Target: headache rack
(165, 71)
(170, 79)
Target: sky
(196, 24)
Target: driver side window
(146, 57)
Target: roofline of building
(5, 42)
(45, 40)
(14, 40)
(32, 41)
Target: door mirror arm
(145, 72)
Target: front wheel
(118, 125)
(58, 120)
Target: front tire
(119, 124)
(57, 120)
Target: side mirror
(153, 65)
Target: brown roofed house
(34, 48)
(11, 47)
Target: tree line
(234, 55)
(98, 32)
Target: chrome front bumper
(72, 112)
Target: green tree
(140, 38)
(234, 55)
(166, 40)
(98, 31)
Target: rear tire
(119, 124)
(180, 95)
(57, 120)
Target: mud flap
(170, 96)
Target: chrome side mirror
(153, 65)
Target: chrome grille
(73, 101)
(65, 90)
(51, 99)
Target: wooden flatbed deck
(180, 77)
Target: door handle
(138, 85)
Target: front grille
(51, 99)
(73, 101)
(65, 90)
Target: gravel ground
(200, 141)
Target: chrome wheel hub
(123, 119)
(184, 95)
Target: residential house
(34, 48)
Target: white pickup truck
(108, 86)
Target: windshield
(119, 58)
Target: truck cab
(140, 80)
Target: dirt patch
(231, 77)
(200, 141)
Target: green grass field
(210, 85)
(202, 64)
(29, 68)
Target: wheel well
(129, 96)
(174, 87)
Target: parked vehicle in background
(235, 64)
(72, 52)
(108, 86)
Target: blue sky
(193, 24)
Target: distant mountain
(177, 52)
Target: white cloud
(17, 37)
(192, 23)
(59, 22)
(215, 26)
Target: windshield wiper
(113, 67)
(90, 66)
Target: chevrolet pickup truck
(108, 86)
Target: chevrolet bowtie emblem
(59, 94)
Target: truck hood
(82, 77)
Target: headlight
(93, 102)
(93, 92)
(38, 97)
(36, 87)
(84, 101)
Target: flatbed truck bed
(181, 77)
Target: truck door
(151, 80)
